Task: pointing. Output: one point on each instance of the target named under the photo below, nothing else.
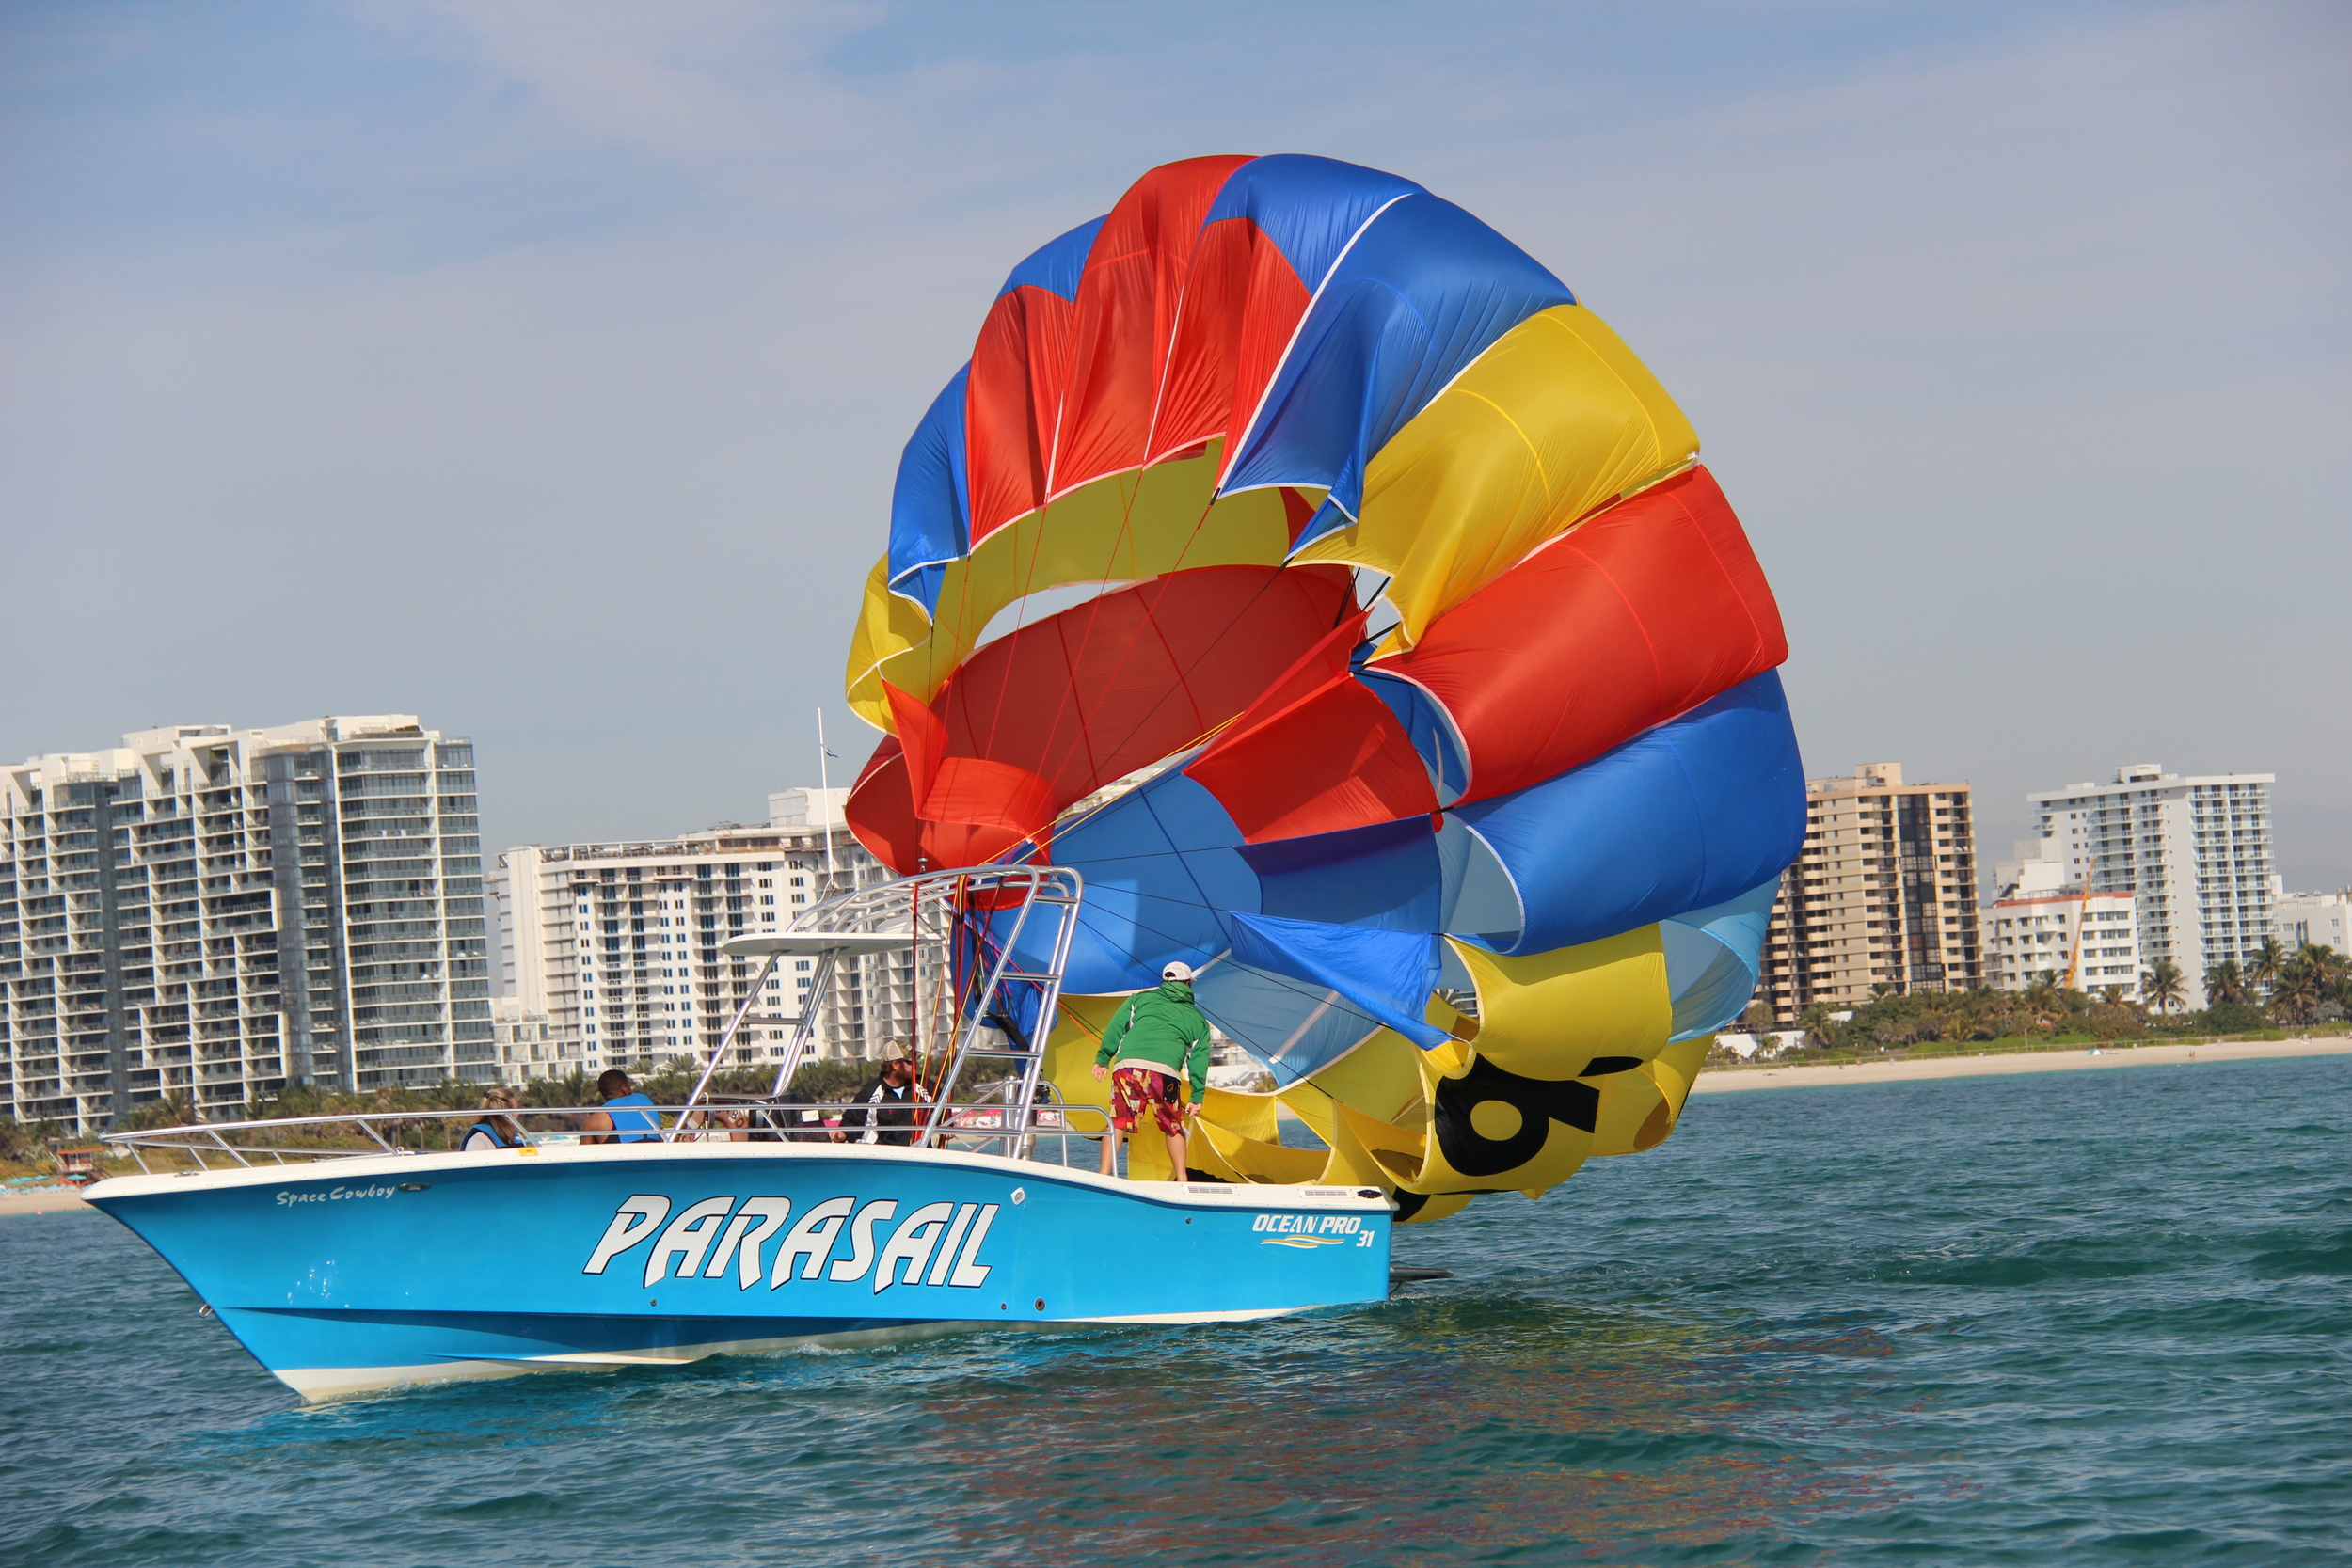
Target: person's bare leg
(1110, 1151)
(1176, 1155)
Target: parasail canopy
(1302, 562)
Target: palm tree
(2043, 998)
(2300, 985)
(2162, 985)
(2226, 982)
(2340, 993)
(2269, 960)
(172, 1108)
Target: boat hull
(348, 1276)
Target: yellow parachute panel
(1077, 1034)
(1381, 1078)
(1255, 1159)
(1493, 1115)
(1556, 419)
(1550, 1015)
(1139, 523)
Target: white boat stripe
(316, 1383)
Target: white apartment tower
(617, 944)
(2193, 852)
(217, 913)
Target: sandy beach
(1730, 1080)
(38, 1203)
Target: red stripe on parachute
(1316, 752)
(1127, 303)
(1141, 673)
(1648, 609)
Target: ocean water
(2073, 1317)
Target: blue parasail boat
(346, 1271)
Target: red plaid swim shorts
(1134, 1087)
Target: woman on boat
(494, 1131)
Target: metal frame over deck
(934, 911)
(994, 913)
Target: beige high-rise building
(1881, 901)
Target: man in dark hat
(884, 1112)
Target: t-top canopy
(816, 941)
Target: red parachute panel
(1126, 307)
(1316, 752)
(1137, 674)
(1243, 302)
(1018, 367)
(1648, 609)
(880, 811)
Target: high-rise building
(617, 943)
(1883, 899)
(2193, 852)
(216, 914)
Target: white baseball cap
(1178, 971)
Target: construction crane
(2082, 923)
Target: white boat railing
(246, 1144)
(965, 930)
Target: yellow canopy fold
(1549, 1015)
(1555, 419)
(1121, 528)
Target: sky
(542, 369)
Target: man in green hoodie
(1155, 1040)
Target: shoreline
(1738, 1080)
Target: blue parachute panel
(1690, 813)
(1432, 732)
(929, 524)
(1162, 866)
(1479, 900)
(1713, 956)
(1385, 877)
(1387, 976)
(1425, 289)
(1310, 207)
(1288, 1027)
(1057, 265)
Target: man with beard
(884, 1110)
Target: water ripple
(2073, 1317)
